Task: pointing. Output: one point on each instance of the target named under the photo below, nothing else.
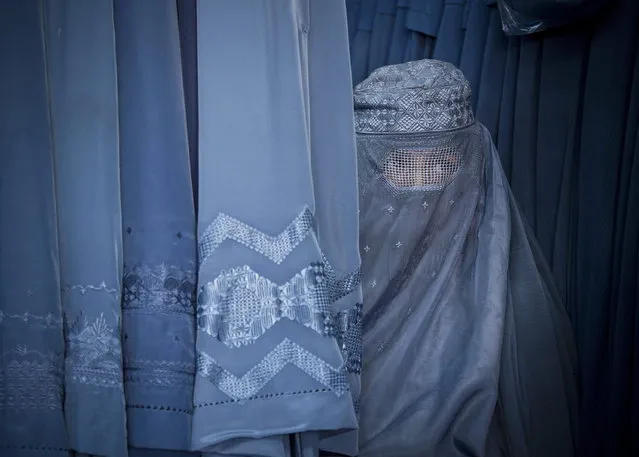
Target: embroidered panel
(276, 248)
(240, 305)
(419, 96)
(161, 373)
(241, 388)
(31, 379)
(356, 405)
(158, 304)
(163, 289)
(32, 320)
(84, 289)
(340, 287)
(349, 338)
(94, 351)
(93, 348)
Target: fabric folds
(563, 125)
(277, 230)
(136, 319)
(32, 344)
(158, 220)
(461, 317)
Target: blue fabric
(564, 128)
(277, 214)
(383, 25)
(524, 130)
(158, 218)
(31, 327)
(601, 150)
(82, 82)
(422, 19)
(505, 132)
(561, 80)
(352, 7)
(458, 299)
(472, 54)
(187, 24)
(525, 17)
(360, 43)
(425, 16)
(399, 35)
(450, 36)
(99, 126)
(492, 75)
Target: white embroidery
(252, 382)
(276, 248)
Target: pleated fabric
(136, 319)
(278, 287)
(563, 126)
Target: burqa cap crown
(414, 97)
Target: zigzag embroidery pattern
(276, 248)
(241, 305)
(241, 388)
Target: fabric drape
(82, 83)
(564, 127)
(276, 219)
(457, 296)
(32, 344)
(175, 252)
(158, 220)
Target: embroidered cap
(414, 97)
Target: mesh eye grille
(418, 169)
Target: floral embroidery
(159, 289)
(158, 312)
(93, 351)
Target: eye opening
(420, 169)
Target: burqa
(468, 350)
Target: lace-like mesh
(413, 165)
(421, 167)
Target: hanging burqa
(104, 351)
(467, 348)
(277, 346)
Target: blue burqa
(468, 350)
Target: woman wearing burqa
(467, 347)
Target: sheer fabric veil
(467, 347)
